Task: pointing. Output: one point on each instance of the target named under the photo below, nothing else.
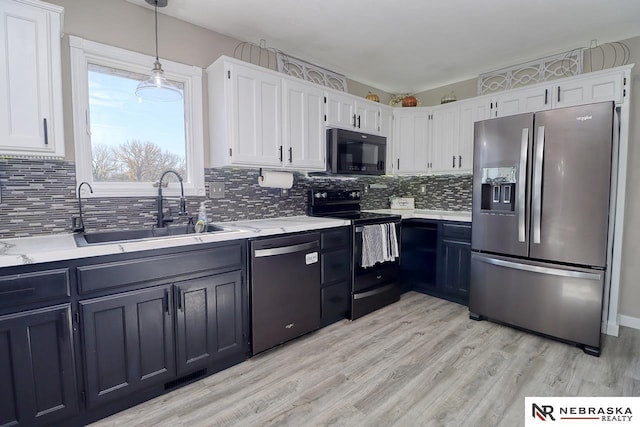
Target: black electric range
(374, 286)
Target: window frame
(83, 52)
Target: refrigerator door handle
(522, 178)
(539, 269)
(537, 186)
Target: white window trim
(84, 52)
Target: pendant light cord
(156, 13)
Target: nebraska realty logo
(582, 411)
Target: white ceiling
(403, 46)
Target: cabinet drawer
(457, 231)
(336, 265)
(122, 273)
(337, 239)
(379, 276)
(33, 287)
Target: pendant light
(157, 87)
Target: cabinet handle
(558, 93)
(179, 298)
(46, 132)
(166, 302)
(459, 161)
(546, 96)
(358, 122)
(354, 120)
(281, 153)
(454, 162)
(398, 164)
(290, 154)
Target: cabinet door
(411, 140)
(368, 117)
(518, 101)
(128, 343)
(587, 90)
(419, 264)
(304, 134)
(456, 266)
(38, 383)
(255, 113)
(386, 130)
(208, 319)
(471, 111)
(341, 111)
(445, 122)
(31, 89)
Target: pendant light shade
(157, 87)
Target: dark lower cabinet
(436, 258)
(456, 268)
(419, 248)
(37, 376)
(128, 343)
(208, 320)
(335, 274)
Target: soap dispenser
(201, 223)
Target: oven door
(369, 276)
(373, 287)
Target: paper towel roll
(275, 179)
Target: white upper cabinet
(304, 134)
(445, 122)
(412, 140)
(599, 86)
(471, 110)
(30, 79)
(368, 116)
(341, 111)
(260, 118)
(352, 113)
(386, 130)
(587, 89)
(524, 100)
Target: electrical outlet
(366, 189)
(216, 190)
(423, 189)
(284, 192)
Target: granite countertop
(463, 216)
(58, 247)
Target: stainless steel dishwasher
(285, 289)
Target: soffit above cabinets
(413, 45)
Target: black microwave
(355, 153)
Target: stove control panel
(318, 197)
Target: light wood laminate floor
(419, 362)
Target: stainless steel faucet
(78, 227)
(162, 221)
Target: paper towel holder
(284, 191)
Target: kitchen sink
(122, 236)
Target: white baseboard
(629, 322)
(612, 329)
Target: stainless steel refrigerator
(541, 192)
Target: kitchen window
(123, 143)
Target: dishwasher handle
(286, 249)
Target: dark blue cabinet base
(436, 258)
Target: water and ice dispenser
(499, 189)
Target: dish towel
(379, 244)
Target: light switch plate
(423, 189)
(216, 190)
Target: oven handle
(359, 229)
(373, 292)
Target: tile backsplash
(38, 197)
